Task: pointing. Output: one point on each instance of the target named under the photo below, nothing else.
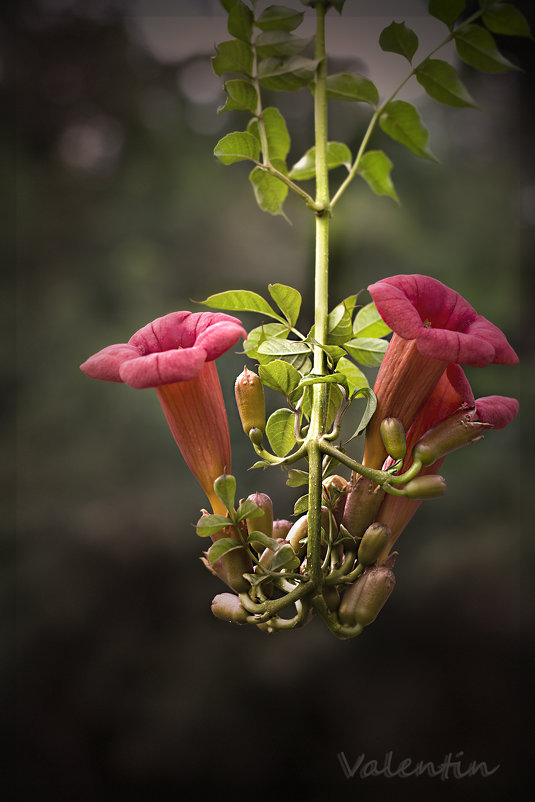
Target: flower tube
(175, 354)
(433, 326)
(452, 392)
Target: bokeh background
(127, 687)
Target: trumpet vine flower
(433, 326)
(452, 392)
(175, 354)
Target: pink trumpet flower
(451, 392)
(176, 355)
(433, 326)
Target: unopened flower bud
(393, 437)
(250, 401)
(331, 596)
(227, 607)
(374, 541)
(281, 527)
(431, 486)
(263, 523)
(454, 432)
(336, 487)
(299, 531)
(362, 601)
(362, 503)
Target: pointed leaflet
(237, 147)
(355, 378)
(259, 335)
(240, 21)
(401, 121)
(367, 351)
(337, 154)
(280, 431)
(233, 56)
(279, 18)
(375, 167)
(288, 300)
(476, 46)
(270, 192)
(241, 301)
(339, 327)
(221, 547)
(225, 490)
(241, 96)
(280, 43)
(265, 541)
(301, 506)
(505, 19)
(277, 135)
(442, 83)
(371, 405)
(283, 348)
(286, 75)
(447, 11)
(284, 558)
(346, 86)
(248, 509)
(397, 38)
(280, 376)
(368, 323)
(211, 524)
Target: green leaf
(259, 335)
(350, 302)
(210, 524)
(221, 547)
(447, 11)
(297, 478)
(240, 301)
(280, 376)
(265, 541)
(227, 4)
(441, 82)
(280, 44)
(280, 431)
(237, 147)
(355, 378)
(248, 509)
(368, 323)
(241, 96)
(337, 154)
(284, 558)
(339, 327)
(240, 21)
(288, 74)
(301, 505)
(333, 403)
(367, 351)
(225, 490)
(277, 135)
(233, 56)
(505, 19)
(288, 300)
(334, 352)
(279, 18)
(346, 86)
(371, 405)
(401, 121)
(397, 38)
(375, 168)
(278, 347)
(476, 46)
(270, 192)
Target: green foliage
(240, 21)
(368, 323)
(447, 11)
(284, 559)
(286, 74)
(221, 547)
(241, 96)
(211, 524)
(441, 82)
(270, 192)
(225, 490)
(476, 46)
(237, 147)
(279, 18)
(233, 56)
(368, 351)
(505, 19)
(280, 44)
(280, 376)
(288, 300)
(402, 122)
(397, 38)
(375, 168)
(338, 154)
(280, 431)
(356, 88)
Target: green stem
(317, 418)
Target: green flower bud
(362, 503)
(431, 486)
(454, 432)
(227, 607)
(331, 596)
(299, 531)
(374, 540)
(362, 601)
(393, 437)
(249, 394)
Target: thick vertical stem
(317, 421)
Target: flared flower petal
(175, 354)
(433, 326)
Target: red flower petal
(105, 364)
(164, 367)
(497, 410)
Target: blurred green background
(127, 686)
